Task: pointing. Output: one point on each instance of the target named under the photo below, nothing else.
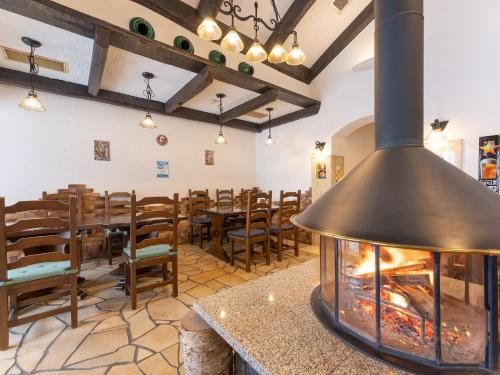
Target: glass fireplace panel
(328, 273)
(463, 315)
(407, 301)
(357, 287)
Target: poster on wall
(209, 157)
(488, 157)
(321, 170)
(102, 150)
(338, 167)
(162, 169)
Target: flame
(397, 299)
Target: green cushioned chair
(38, 271)
(149, 252)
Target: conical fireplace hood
(402, 194)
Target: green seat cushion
(149, 252)
(116, 232)
(38, 271)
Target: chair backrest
(258, 211)
(30, 224)
(150, 217)
(225, 198)
(117, 203)
(244, 197)
(198, 199)
(289, 205)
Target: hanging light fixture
(209, 29)
(296, 56)
(436, 140)
(148, 122)
(232, 42)
(269, 140)
(318, 149)
(31, 102)
(221, 140)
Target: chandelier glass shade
(148, 122)
(31, 102)
(209, 30)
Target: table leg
(216, 249)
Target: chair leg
(109, 248)
(296, 240)
(191, 229)
(231, 254)
(201, 236)
(175, 281)
(268, 250)
(74, 300)
(248, 249)
(126, 269)
(13, 305)
(280, 246)
(4, 319)
(133, 285)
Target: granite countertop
(270, 324)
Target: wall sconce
(436, 140)
(318, 149)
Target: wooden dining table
(217, 216)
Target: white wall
(355, 146)
(462, 84)
(46, 151)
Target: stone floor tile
(159, 338)
(94, 371)
(201, 291)
(230, 280)
(167, 309)
(98, 344)
(124, 354)
(215, 285)
(14, 370)
(206, 276)
(240, 272)
(186, 298)
(210, 266)
(14, 341)
(112, 322)
(140, 323)
(114, 304)
(83, 314)
(143, 354)
(185, 286)
(172, 355)
(41, 334)
(130, 369)
(65, 345)
(100, 317)
(157, 365)
(6, 364)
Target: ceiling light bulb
(31, 103)
(269, 141)
(232, 42)
(220, 139)
(277, 55)
(209, 29)
(256, 53)
(148, 122)
(296, 56)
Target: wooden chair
(152, 219)
(224, 198)
(258, 219)
(289, 205)
(37, 271)
(199, 199)
(115, 204)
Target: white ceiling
(57, 44)
(123, 73)
(280, 108)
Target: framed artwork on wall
(102, 150)
(321, 170)
(209, 157)
(338, 167)
(162, 139)
(162, 169)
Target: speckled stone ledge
(270, 324)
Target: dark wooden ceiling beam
(289, 22)
(249, 106)
(208, 8)
(199, 83)
(74, 90)
(343, 40)
(294, 116)
(186, 16)
(98, 61)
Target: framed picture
(489, 153)
(162, 139)
(209, 157)
(102, 150)
(321, 170)
(162, 169)
(338, 167)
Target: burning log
(419, 299)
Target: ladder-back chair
(115, 205)
(199, 199)
(289, 205)
(258, 219)
(154, 225)
(27, 225)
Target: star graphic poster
(489, 150)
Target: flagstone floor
(113, 339)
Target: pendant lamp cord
(33, 67)
(148, 92)
(221, 109)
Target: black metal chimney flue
(399, 71)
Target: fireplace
(409, 243)
(422, 310)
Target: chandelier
(31, 102)
(232, 42)
(221, 140)
(148, 122)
